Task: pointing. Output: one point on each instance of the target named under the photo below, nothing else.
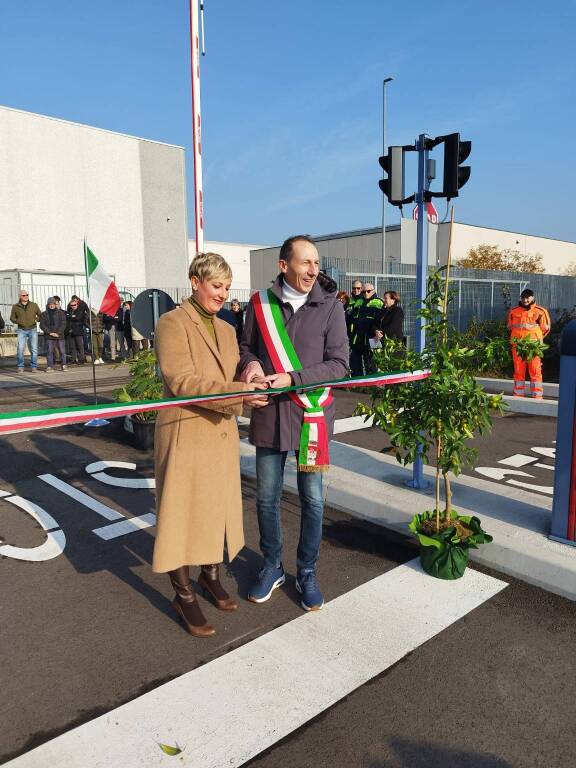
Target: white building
(61, 182)
(360, 251)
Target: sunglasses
(368, 290)
(23, 294)
(356, 289)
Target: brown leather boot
(209, 581)
(186, 605)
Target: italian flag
(102, 291)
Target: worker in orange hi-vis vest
(528, 320)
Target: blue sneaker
(306, 584)
(266, 582)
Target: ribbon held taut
(22, 421)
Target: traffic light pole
(418, 480)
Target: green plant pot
(444, 555)
(447, 563)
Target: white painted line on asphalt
(129, 525)
(494, 473)
(96, 469)
(55, 538)
(100, 466)
(550, 453)
(518, 460)
(549, 489)
(83, 498)
(351, 424)
(256, 695)
(545, 466)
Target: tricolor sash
(313, 453)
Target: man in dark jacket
(361, 357)
(25, 314)
(78, 320)
(2, 323)
(53, 325)
(311, 332)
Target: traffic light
(393, 165)
(455, 174)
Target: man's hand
(279, 380)
(252, 372)
(54, 334)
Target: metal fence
(478, 294)
(41, 293)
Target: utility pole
(422, 146)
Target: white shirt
(292, 296)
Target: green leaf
(172, 751)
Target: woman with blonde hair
(197, 457)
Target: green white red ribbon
(313, 454)
(21, 421)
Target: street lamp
(384, 83)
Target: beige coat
(196, 452)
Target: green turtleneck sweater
(206, 317)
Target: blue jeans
(269, 481)
(30, 336)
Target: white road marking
(55, 538)
(494, 473)
(545, 466)
(550, 453)
(351, 424)
(518, 460)
(123, 527)
(549, 489)
(83, 498)
(96, 469)
(256, 695)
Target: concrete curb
(507, 385)
(371, 486)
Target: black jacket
(391, 322)
(53, 321)
(77, 319)
(2, 323)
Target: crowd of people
(369, 319)
(72, 334)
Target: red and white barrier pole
(196, 125)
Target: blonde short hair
(209, 266)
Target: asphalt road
(93, 628)
(519, 447)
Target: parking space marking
(130, 525)
(275, 684)
(83, 498)
(55, 538)
(97, 470)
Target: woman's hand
(257, 401)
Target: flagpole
(196, 124)
(90, 319)
(93, 422)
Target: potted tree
(436, 418)
(145, 384)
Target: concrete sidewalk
(371, 485)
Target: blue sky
(291, 100)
